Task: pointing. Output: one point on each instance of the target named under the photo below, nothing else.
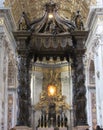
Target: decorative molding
(93, 15)
(2, 38)
(92, 47)
(12, 89)
(94, 24)
(1, 21)
(8, 26)
(96, 45)
(21, 128)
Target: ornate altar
(52, 104)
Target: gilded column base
(85, 127)
(21, 128)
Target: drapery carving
(51, 42)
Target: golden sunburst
(51, 90)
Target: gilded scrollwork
(52, 77)
(60, 102)
(45, 101)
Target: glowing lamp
(51, 90)
(50, 16)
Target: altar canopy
(46, 37)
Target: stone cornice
(6, 14)
(93, 14)
(8, 26)
(61, 64)
(94, 23)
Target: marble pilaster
(4, 81)
(7, 46)
(66, 81)
(1, 76)
(99, 81)
(95, 24)
(37, 80)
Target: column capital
(79, 38)
(22, 41)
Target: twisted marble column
(79, 91)
(23, 90)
